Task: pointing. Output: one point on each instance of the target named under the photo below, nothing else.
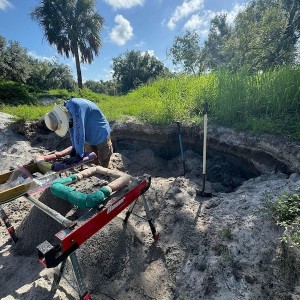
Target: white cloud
(201, 22)
(149, 52)
(196, 23)
(122, 32)
(108, 74)
(124, 3)
(231, 15)
(4, 4)
(185, 9)
(41, 57)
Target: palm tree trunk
(79, 76)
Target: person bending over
(88, 128)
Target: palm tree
(73, 26)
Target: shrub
(13, 93)
(287, 214)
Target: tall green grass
(268, 102)
(180, 98)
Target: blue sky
(140, 25)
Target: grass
(287, 214)
(226, 233)
(269, 102)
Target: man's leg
(104, 152)
(90, 148)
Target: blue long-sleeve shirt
(89, 124)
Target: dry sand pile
(225, 247)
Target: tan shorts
(103, 151)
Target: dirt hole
(224, 172)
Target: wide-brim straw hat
(57, 120)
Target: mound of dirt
(37, 226)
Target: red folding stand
(71, 238)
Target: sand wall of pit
(263, 152)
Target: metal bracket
(82, 290)
(10, 229)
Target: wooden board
(31, 167)
(13, 193)
(19, 190)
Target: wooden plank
(13, 193)
(31, 167)
(19, 190)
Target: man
(89, 130)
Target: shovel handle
(204, 143)
(205, 108)
(204, 136)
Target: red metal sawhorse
(70, 239)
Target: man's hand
(73, 160)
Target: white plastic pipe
(204, 143)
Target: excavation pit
(200, 238)
(225, 172)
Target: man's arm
(77, 133)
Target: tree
(60, 77)
(291, 33)
(260, 32)
(265, 35)
(102, 87)
(73, 26)
(46, 75)
(14, 62)
(95, 86)
(187, 53)
(135, 68)
(214, 52)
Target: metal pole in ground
(203, 193)
(181, 148)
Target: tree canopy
(187, 53)
(18, 66)
(134, 68)
(263, 36)
(73, 26)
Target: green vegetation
(265, 35)
(226, 233)
(73, 27)
(18, 66)
(268, 102)
(15, 92)
(133, 68)
(287, 213)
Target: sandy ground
(224, 247)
